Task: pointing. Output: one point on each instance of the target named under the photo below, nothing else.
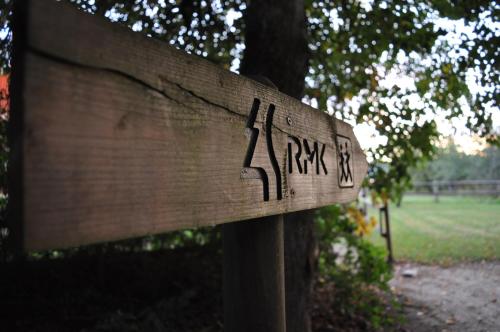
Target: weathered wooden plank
(122, 135)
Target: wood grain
(124, 136)
(254, 275)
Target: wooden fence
(457, 188)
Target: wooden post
(254, 283)
(435, 191)
(386, 233)
(390, 257)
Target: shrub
(356, 268)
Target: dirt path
(464, 297)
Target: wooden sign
(117, 135)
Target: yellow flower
(363, 227)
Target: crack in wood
(162, 92)
(55, 58)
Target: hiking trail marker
(115, 135)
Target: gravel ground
(463, 297)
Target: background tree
(439, 45)
(359, 55)
(450, 164)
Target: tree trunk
(276, 48)
(299, 268)
(276, 44)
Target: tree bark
(299, 243)
(276, 44)
(276, 48)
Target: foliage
(350, 262)
(357, 45)
(198, 27)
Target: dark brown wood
(300, 268)
(254, 280)
(120, 135)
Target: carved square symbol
(345, 162)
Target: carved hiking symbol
(300, 152)
(345, 162)
(249, 172)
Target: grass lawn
(455, 229)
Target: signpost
(116, 135)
